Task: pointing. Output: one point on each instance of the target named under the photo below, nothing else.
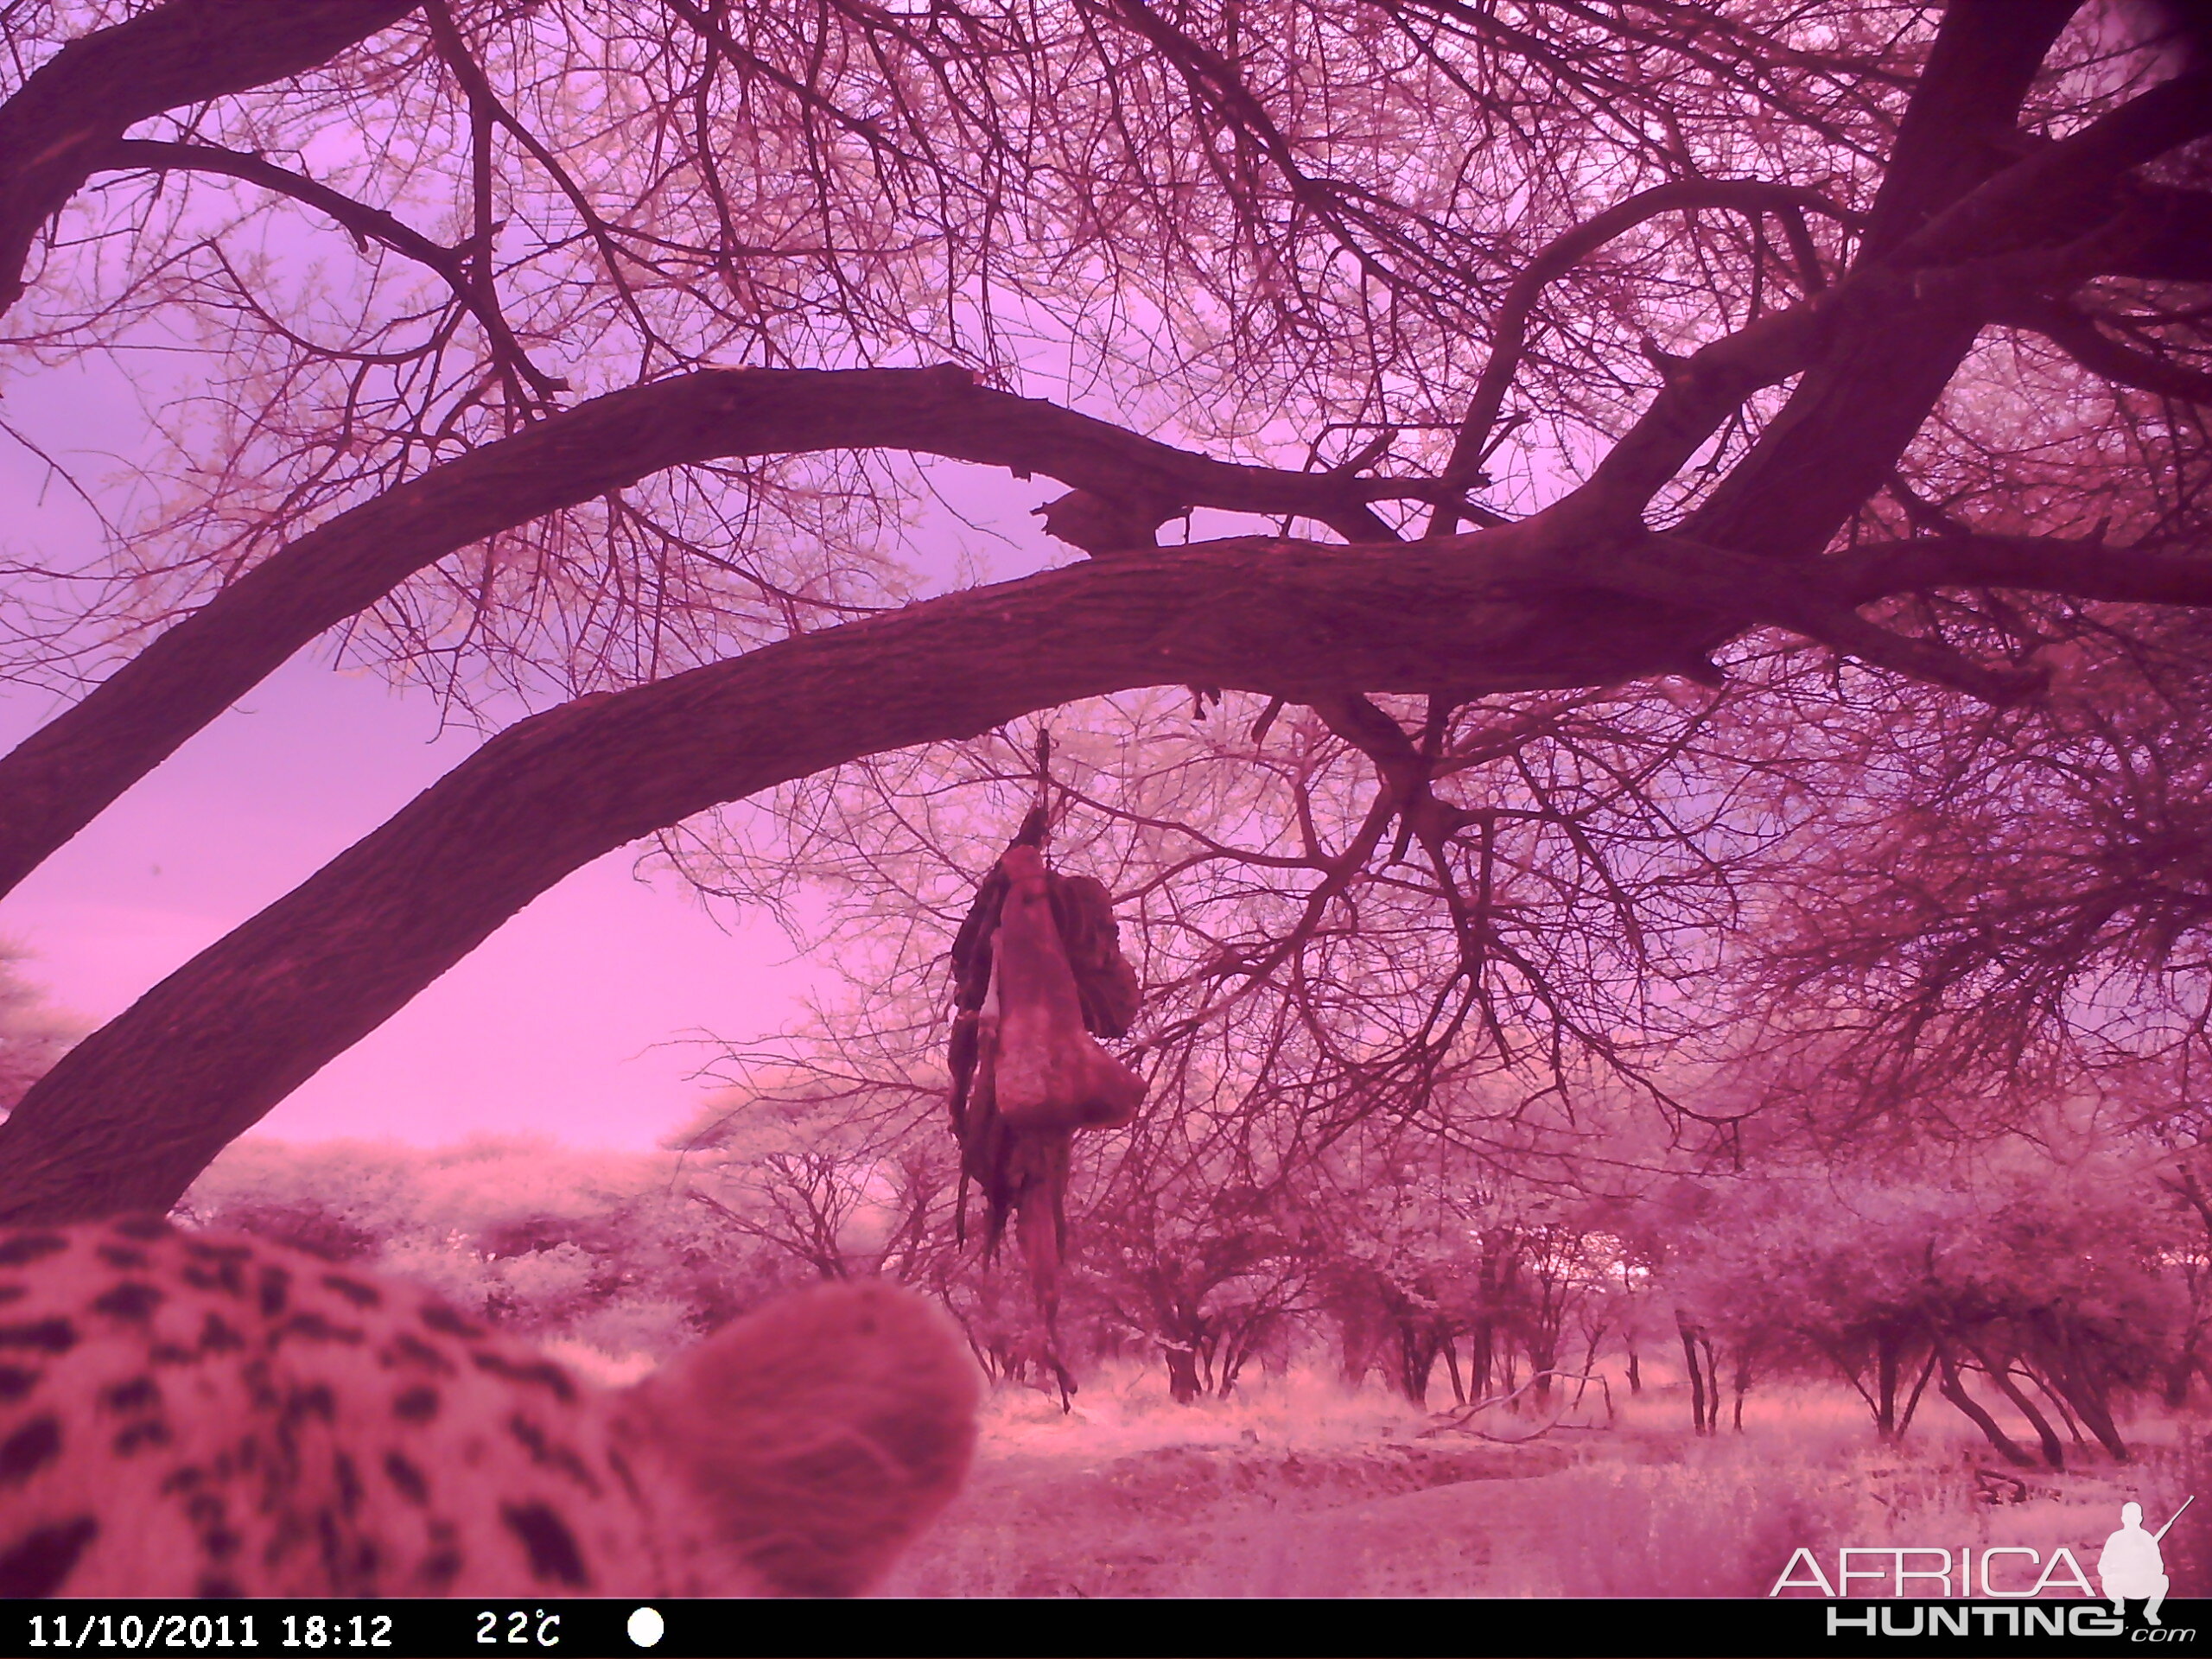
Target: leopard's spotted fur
(186, 1414)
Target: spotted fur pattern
(195, 1415)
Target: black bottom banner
(1094, 1629)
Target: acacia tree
(833, 1181)
(2034, 1277)
(1728, 331)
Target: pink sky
(564, 1022)
(573, 1019)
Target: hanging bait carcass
(1038, 978)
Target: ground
(1300, 1488)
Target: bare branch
(1509, 333)
(53, 131)
(366, 224)
(2087, 569)
(2076, 334)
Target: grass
(1299, 1487)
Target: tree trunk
(1705, 1409)
(2090, 1406)
(1954, 1389)
(1353, 1309)
(1182, 1384)
(1544, 1358)
(1885, 1387)
(2053, 1391)
(2054, 1450)
(2181, 1371)
(1418, 1346)
(1912, 1400)
(1482, 1358)
(1594, 1336)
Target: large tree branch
(212, 1047)
(1898, 339)
(1736, 588)
(54, 128)
(2163, 234)
(1701, 393)
(1886, 361)
(130, 1116)
(61, 777)
(1509, 331)
(1877, 350)
(1965, 107)
(1790, 492)
(2079, 569)
(2039, 191)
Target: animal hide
(1105, 983)
(1046, 1071)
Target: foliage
(2014, 1265)
(838, 1180)
(601, 1247)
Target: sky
(568, 1021)
(584, 1018)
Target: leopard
(195, 1414)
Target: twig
(1457, 1421)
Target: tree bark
(1984, 59)
(1954, 192)
(2181, 1370)
(1417, 1347)
(1912, 1400)
(1886, 1386)
(132, 1115)
(1481, 1357)
(2073, 1375)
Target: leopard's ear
(821, 1433)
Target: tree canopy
(1715, 505)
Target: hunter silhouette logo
(2130, 1565)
